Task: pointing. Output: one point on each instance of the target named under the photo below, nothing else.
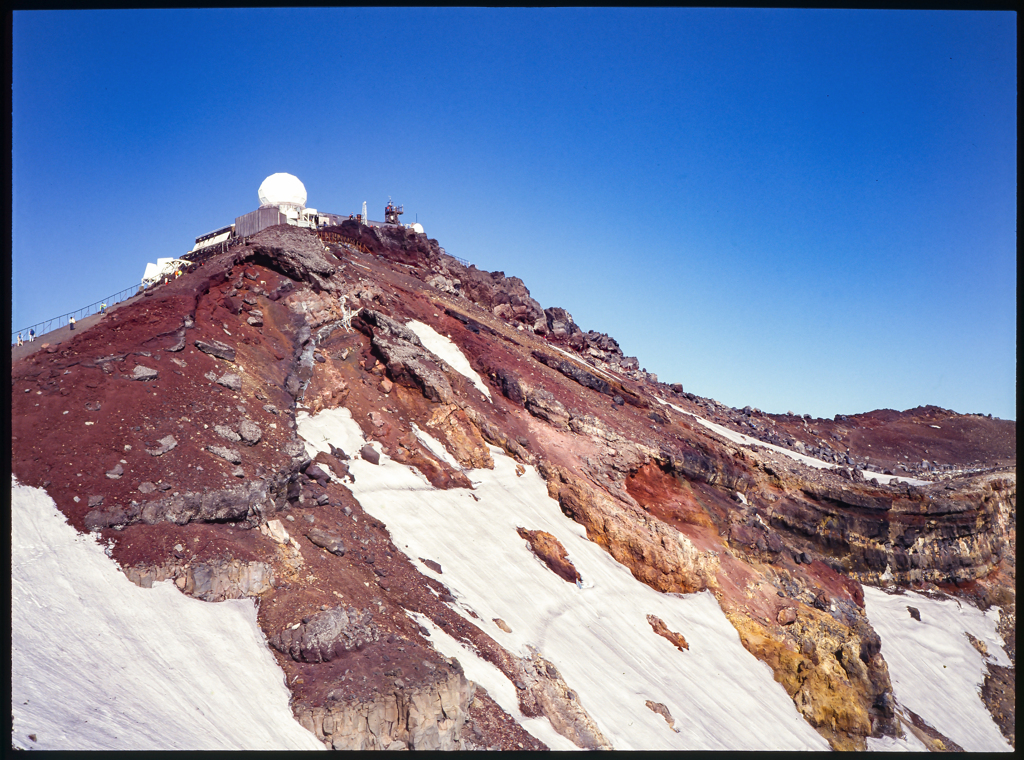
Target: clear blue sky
(806, 210)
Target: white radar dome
(417, 227)
(282, 190)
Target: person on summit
(71, 321)
(31, 335)
(103, 308)
(20, 341)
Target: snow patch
(435, 447)
(444, 347)
(909, 743)
(98, 663)
(935, 670)
(598, 636)
(500, 689)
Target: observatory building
(283, 201)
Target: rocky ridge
(173, 436)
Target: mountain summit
(468, 523)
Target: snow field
(746, 440)
(935, 671)
(444, 347)
(909, 743)
(98, 663)
(597, 636)
(500, 689)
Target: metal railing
(196, 257)
(52, 324)
(462, 261)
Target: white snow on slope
(746, 440)
(98, 663)
(908, 743)
(500, 689)
(444, 347)
(597, 636)
(435, 447)
(934, 669)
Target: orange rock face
(676, 639)
(551, 552)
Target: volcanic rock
(675, 639)
(223, 452)
(551, 552)
(249, 432)
(216, 348)
(167, 443)
(663, 711)
(144, 373)
(329, 541)
(227, 433)
(230, 380)
(370, 454)
(327, 635)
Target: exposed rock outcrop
(212, 581)
(551, 552)
(293, 252)
(429, 716)
(655, 553)
(834, 673)
(327, 635)
(920, 534)
(505, 297)
(407, 361)
(674, 638)
(543, 691)
(229, 504)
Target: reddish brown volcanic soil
(776, 542)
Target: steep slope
(100, 663)
(422, 475)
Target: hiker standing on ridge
(71, 321)
(103, 308)
(20, 341)
(31, 335)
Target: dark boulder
(511, 386)
(328, 541)
(216, 348)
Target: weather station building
(283, 201)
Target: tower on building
(391, 212)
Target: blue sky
(806, 210)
